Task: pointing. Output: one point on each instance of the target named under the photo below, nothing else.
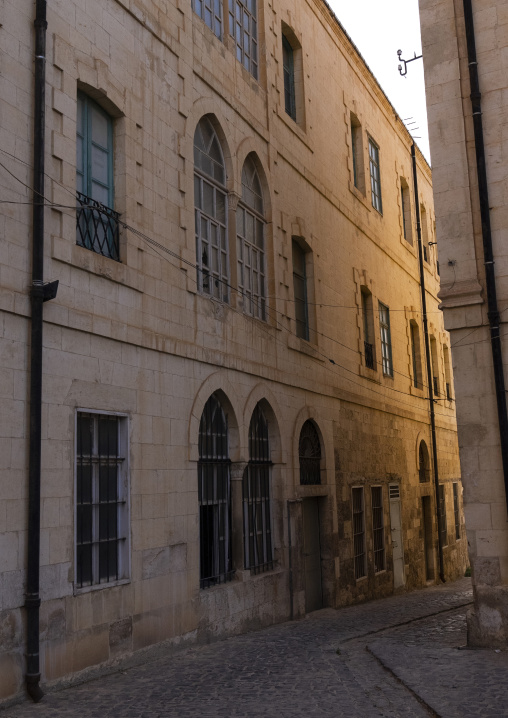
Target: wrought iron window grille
(98, 227)
(369, 355)
(378, 528)
(359, 550)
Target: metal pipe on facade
(32, 598)
(428, 363)
(488, 254)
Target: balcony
(369, 355)
(97, 227)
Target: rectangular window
(375, 176)
(378, 528)
(359, 533)
(406, 211)
(357, 154)
(425, 234)
(244, 30)
(97, 222)
(102, 530)
(386, 340)
(257, 530)
(211, 12)
(442, 515)
(415, 355)
(456, 513)
(289, 78)
(367, 329)
(300, 291)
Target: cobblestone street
(393, 657)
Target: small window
(360, 557)
(375, 176)
(386, 340)
(368, 328)
(435, 367)
(214, 496)
(243, 27)
(300, 291)
(405, 204)
(96, 221)
(210, 202)
(416, 356)
(357, 153)
(448, 378)
(250, 236)
(309, 451)
(378, 528)
(423, 463)
(257, 529)
(211, 12)
(425, 234)
(102, 520)
(456, 513)
(288, 65)
(442, 516)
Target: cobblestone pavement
(392, 658)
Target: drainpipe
(429, 367)
(488, 255)
(32, 598)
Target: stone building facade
(461, 229)
(235, 421)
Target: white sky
(379, 28)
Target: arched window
(250, 232)
(210, 201)
(309, 451)
(257, 527)
(423, 463)
(214, 494)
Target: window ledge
(99, 586)
(63, 251)
(359, 195)
(415, 391)
(303, 346)
(371, 374)
(294, 127)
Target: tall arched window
(250, 234)
(257, 527)
(214, 494)
(423, 463)
(210, 201)
(309, 451)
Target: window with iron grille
(360, 557)
(243, 28)
(378, 528)
(288, 67)
(214, 495)
(211, 12)
(97, 224)
(456, 513)
(423, 463)
(442, 516)
(102, 530)
(257, 528)
(386, 339)
(309, 450)
(210, 203)
(250, 238)
(300, 291)
(375, 176)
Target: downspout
(429, 367)
(32, 598)
(488, 255)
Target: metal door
(399, 578)
(312, 555)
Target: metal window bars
(97, 227)
(360, 565)
(378, 528)
(369, 355)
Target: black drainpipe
(32, 598)
(429, 366)
(488, 255)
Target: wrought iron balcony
(97, 227)
(369, 355)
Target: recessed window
(386, 339)
(378, 528)
(214, 496)
(102, 528)
(442, 515)
(257, 529)
(250, 235)
(211, 12)
(435, 366)
(375, 176)
(357, 153)
(210, 202)
(300, 291)
(416, 355)
(423, 463)
(425, 234)
(368, 329)
(405, 204)
(97, 222)
(288, 65)
(359, 551)
(243, 27)
(309, 452)
(456, 514)
(448, 378)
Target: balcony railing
(436, 385)
(369, 355)
(97, 227)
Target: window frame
(360, 571)
(386, 339)
(122, 502)
(375, 176)
(254, 302)
(207, 6)
(357, 153)
(378, 529)
(302, 322)
(238, 32)
(310, 463)
(405, 204)
(288, 70)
